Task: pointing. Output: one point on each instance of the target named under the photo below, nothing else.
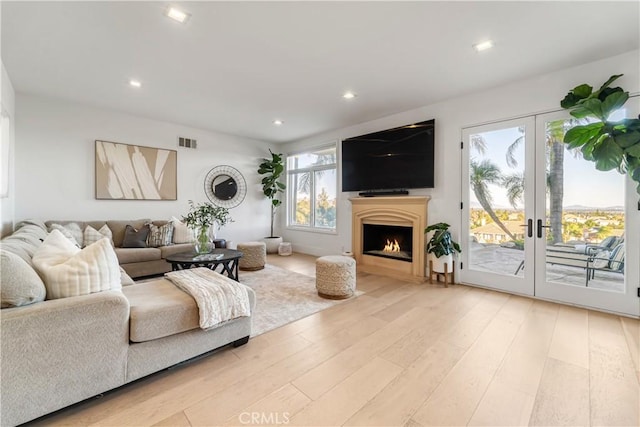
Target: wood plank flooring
(401, 354)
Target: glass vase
(202, 243)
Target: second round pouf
(254, 255)
(335, 276)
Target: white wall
(539, 94)
(7, 106)
(55, 165)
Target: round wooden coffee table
(224, 260)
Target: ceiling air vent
(187, 142)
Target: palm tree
(304, 181)
(514, 184)
(481, 174)
(478, 142)
(555, 181)
(555, 171)
(511, 149)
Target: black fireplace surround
(375, 237)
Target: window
(312, 188)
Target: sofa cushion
(70, 271)
(135, 237)
(118, 227)
(71, 231)
(160, 235)
(91, 235)
(174, 249)
(129, 255)
(20, 285)
(159, 309)
(24, 241)
(40, 224)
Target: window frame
(290, 197)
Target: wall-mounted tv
(393, 159)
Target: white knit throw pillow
(71, 231)
(69, 271)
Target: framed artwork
(133, 172)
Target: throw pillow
(135, 238)
(181, 233)
(601, 259)
(125, 279)
(91, 235)
(69, 271)
(21, 285)
(160, 236)
(71, 231)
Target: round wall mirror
(225, 186)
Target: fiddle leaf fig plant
(611, 145)
(272, 169)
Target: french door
(543, 221)
(498, 206)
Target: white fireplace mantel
(410, 211)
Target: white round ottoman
(335, 276)
(254, 255)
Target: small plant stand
(448, 275)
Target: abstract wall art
(133, 172)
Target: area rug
(282, 296)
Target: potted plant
(205, 219)
(611, 145)
(441, 246)
(272, 169)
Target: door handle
(529, 226)
(540, 227)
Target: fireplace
(387, 241)
(399, 219)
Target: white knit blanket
(219, 298)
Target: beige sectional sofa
(58, 352)
(137, 262)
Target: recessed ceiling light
(349, 95)
(278, 122)
(177, 15)
(479, 47)
(135, 83)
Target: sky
(583, 184)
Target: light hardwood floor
(401, 354)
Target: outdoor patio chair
(607, 244)
(606, 261)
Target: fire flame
(392, 246)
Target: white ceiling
(237, 66)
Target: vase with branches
(205, 219)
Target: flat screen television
(392, 159)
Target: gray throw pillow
(20, 283)
(135, 238)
